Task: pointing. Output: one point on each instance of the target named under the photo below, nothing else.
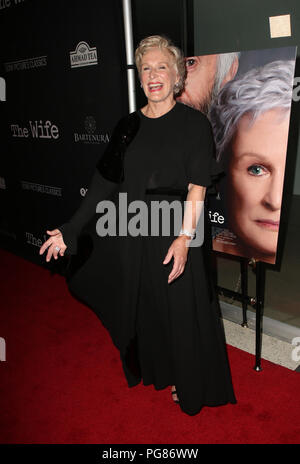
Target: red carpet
(62, 381)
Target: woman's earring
(141, 85)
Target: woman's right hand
(55, 240)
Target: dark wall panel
(57, 117)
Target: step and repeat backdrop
(63, 88)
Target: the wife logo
(37, 130)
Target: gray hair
(257, 91)
(224, 63)
(163, 43)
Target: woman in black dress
(150, 289)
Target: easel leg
(260, 286)
(244, 288)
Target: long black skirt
(170, 334)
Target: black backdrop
(42, 181)
(58, 116)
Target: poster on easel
(247, 97)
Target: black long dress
(167, 334)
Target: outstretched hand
(179, 250)
(55, 240)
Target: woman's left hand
(179, 250)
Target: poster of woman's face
(247, 97)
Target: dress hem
(208, 404)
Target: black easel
(244, 289)
(259, 306)
(257, 302)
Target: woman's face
(255, 180)
(158, 75)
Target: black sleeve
(99, 189)
(201, 166)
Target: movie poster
(247, 97)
